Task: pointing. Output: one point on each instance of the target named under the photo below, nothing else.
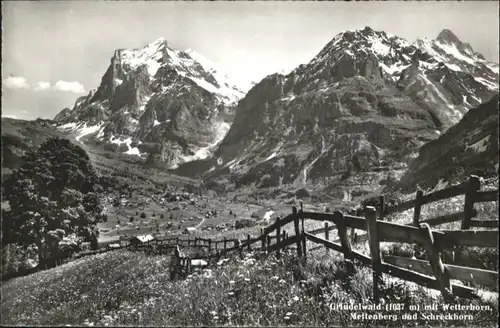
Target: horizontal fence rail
(432, 273)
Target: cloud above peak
(20, 82)
(42, 86)
(74, 86)
(16, 82)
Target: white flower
(295, 298)
(232, 282)
(247, 280)
(288, 314)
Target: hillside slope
(19, 137)
(123, 288)
(469, 147)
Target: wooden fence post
(249, 247)
(344, 241)
(327, 237)
(278, 237)
(240, 249)
(353, 236)
(418, 206)
(371, 227)
(304, 240)
(268, 244)
(438, 268)
(209, 245)
(297, 231)
(473, 186)
(263, 239)
(225, 245)
(285, 234)
(381, 207)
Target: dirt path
(199, 224)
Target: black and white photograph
(250, 163)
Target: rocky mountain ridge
(157, 101)
(469, 147)
(351, 119)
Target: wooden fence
(431, 273)
(471, 190)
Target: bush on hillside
(243, 223)
(302, 193)
(52, 196)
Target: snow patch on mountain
(378, 46)
(215, 70)
(486, 83)
(85, 130)
(479, 146)
(451, 49)
(201, 153)
(394, 69)
(149, 56)
(80, 129)
(453, 67)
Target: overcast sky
(54, 52)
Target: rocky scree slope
(350, 120)
(469, 147)
(157, 102)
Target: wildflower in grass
(282, 281)
(275, 278)
(295, 298)
(230, 293)
(249, 262)
(232, 282)
(247, 280)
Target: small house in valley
(189, 230)
(138, 240)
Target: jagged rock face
(469, 147)
(62, 114)
(173, 103)
(352, 118)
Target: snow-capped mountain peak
(447, 36)
(157, 95)
(215, 70)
